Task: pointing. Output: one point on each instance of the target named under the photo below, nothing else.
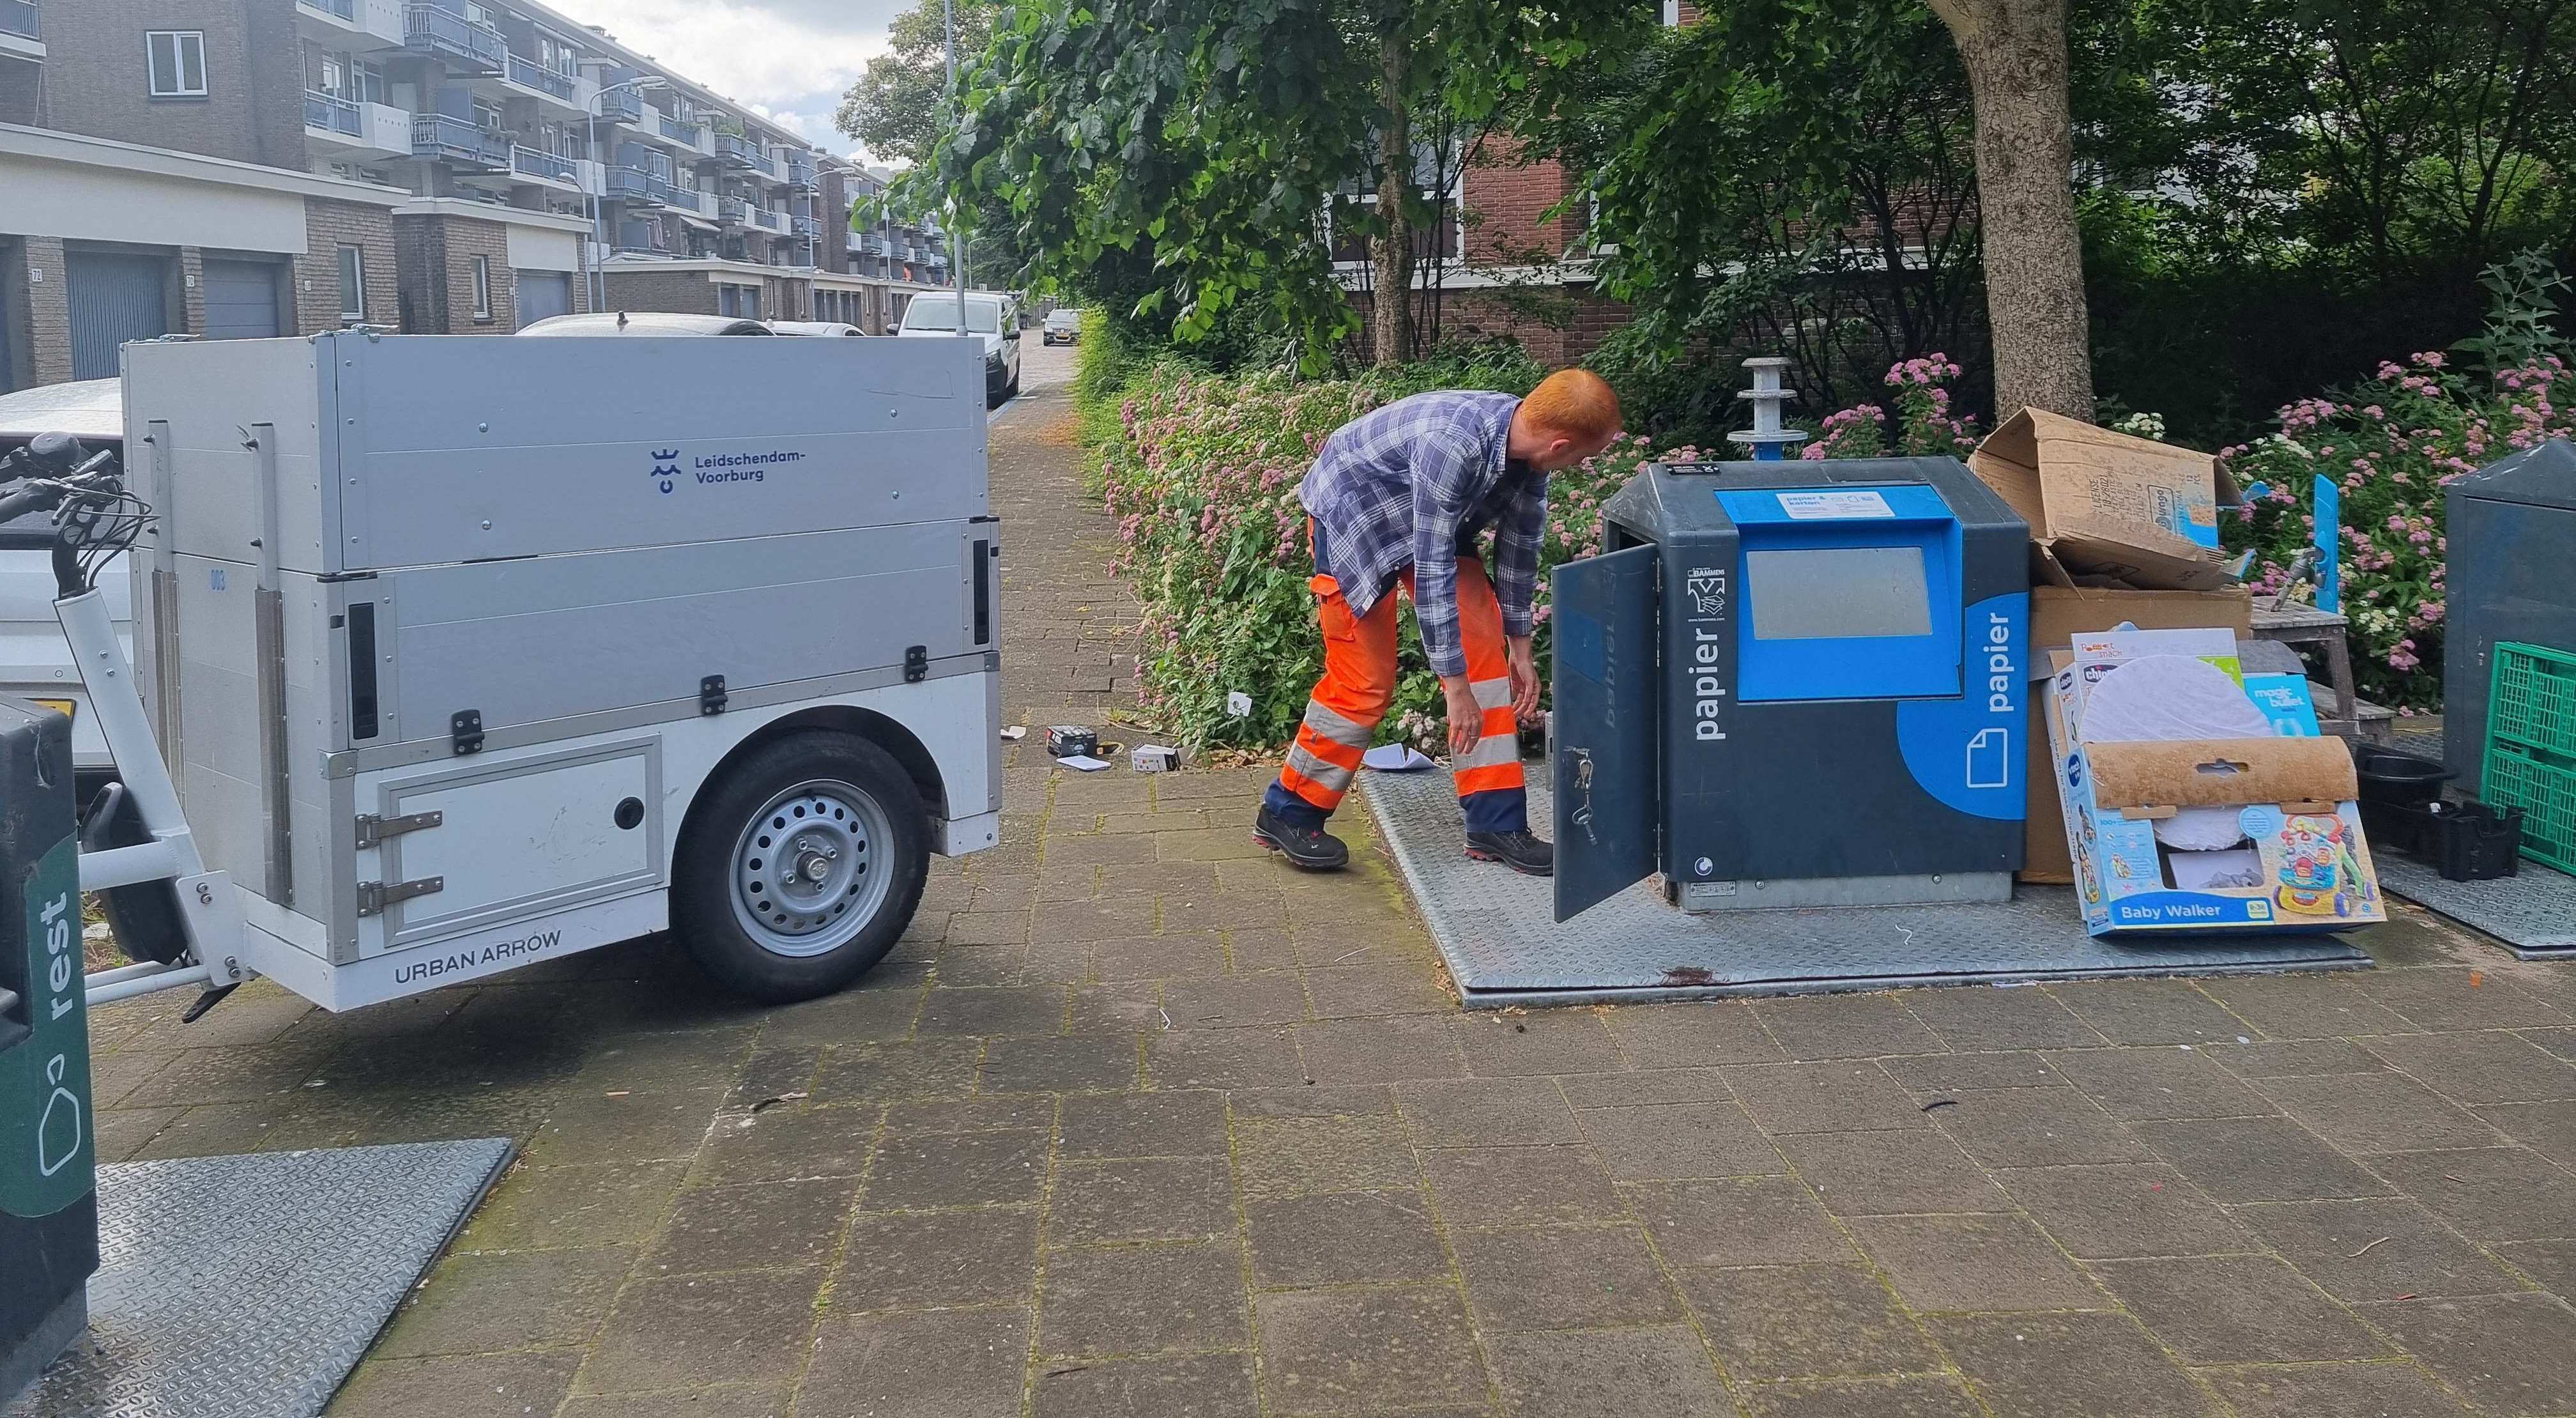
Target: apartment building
(224, 168)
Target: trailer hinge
(916, 664)
(711, 695)
(465, 731)
(373, 829)
(375, 896)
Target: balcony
(360, 26)
(20, 34)
(428, 29)
(768, 220)
(456, 142)
(634, 184)
(730, 210)
(685, 134)
(332, 115)
(529, 74)
(687, 199)
(800, 170)
(622, 105)
(343, 9)
(543, 166)
(738, 151)
(804, 226)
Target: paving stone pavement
(1135, 1123)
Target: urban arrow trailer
(463, 653)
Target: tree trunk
(1391, 255)
(2015, 54)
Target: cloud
(787, 60)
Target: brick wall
(1503, 198)
(683, 292)
(831, 212)
(1484, 314)
(49, 311)
(327, 227)
(438, 276)
(97, 79)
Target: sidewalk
(1138, 1124)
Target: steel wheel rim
(811, 868)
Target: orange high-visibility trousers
(1359, 680)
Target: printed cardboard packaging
(2302, 864)
(2057, 615)
(2109, 509)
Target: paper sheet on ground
(1394, 758)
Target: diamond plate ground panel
(2531, 913)
(248, 1287)
(1495, 930)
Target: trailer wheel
(796, 873)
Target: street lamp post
(596, 287)
(956, 242)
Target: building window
(353, 284)
(177, 62)
(482, 287)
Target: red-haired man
(1397, 498)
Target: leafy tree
(894, 107)
(1218, 147)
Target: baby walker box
(2198, 797)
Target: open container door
(1604, 742)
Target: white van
(993, 319)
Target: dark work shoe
(1520, 851)
(1306, 848)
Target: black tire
(1012, 389)
(704, 912)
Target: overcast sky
(787, 60)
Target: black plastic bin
(2404, 779)
(2462, 841)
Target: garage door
(114, 298)
(241, 300)
(543, 294)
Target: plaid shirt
(1411, 484)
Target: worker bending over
(1397, 498)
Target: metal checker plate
(2531, 913)
(1496, 931)
(249, 1287)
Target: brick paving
(1134, 1123)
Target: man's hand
(1524, 678)
(1466, 720)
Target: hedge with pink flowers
(1201, 472)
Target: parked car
(35, 662)
(993, 319)
(645, 322)
(813, 327)
(1063, 327)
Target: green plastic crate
(2531, 699)
(2531, 747)
(2546, 793)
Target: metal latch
(711, 695)
(375, 896)
(916, 664)
(373, 829)
(465, 731)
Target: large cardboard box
(2109, 509)
(2057, 615)
(2300, 861)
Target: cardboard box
(2108, 509)
(2302, 863)
(2057, 615)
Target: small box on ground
(1070, 740)
(1154, 758)
(2171, 832)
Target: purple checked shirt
(1408, 485)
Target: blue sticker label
(1967, 751)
